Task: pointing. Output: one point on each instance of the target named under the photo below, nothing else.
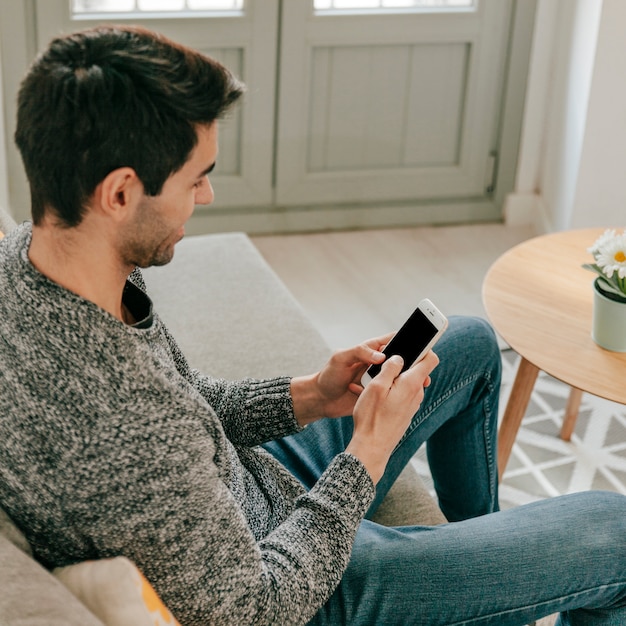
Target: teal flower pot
(609, 320)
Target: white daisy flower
(601, 241)
(610, 255)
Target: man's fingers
(368, 355)
(355, 388)
(390, 370)
(378, 343)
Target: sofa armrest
(31, 596)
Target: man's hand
(384, 411)
(334, 390)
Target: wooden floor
(356, 285)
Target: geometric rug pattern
(541, 464)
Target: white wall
(16, 20)
(600, 195)
(567, 111)
(559, 88)
(572, 164)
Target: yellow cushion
(116, 592)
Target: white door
(383, 105)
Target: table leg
(515, 410)
(571, 413)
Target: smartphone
(416, 337)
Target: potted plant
(609, 300)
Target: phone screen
(409, 341)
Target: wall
(16, 22)
(573, 149)
(560, 81)
(567, 113)
(600, 196)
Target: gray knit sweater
(111, 445)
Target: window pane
(160, 5)
(100, 6)
(369, 5)
(355, 4)
(153, 6)
(215, 5)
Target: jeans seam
(487, 413)
(491, 459)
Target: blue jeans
(565, 554)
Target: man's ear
(119, 192)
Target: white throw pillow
(116, 592)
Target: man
(111, 445)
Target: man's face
(158, 222)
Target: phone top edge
(427, 307)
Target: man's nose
(205, 194)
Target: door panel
(384, 120)
(386, 107)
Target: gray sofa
(233, 317)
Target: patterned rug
(542, 465)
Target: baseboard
(527, 209)
(325, 218)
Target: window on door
(143, 6)
(90, 7)
(385, 5)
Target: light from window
(86, 7)
(382, 5)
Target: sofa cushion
(116, 592)
(227, 308)
(31, 596)
(409, 503)
(230, 313)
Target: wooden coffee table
(539, 299)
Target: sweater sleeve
(251, 411)
(164, 504)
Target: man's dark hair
(112, 97)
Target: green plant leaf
(596, 269)
(592, 268)
(607, 285)
(610, 289)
